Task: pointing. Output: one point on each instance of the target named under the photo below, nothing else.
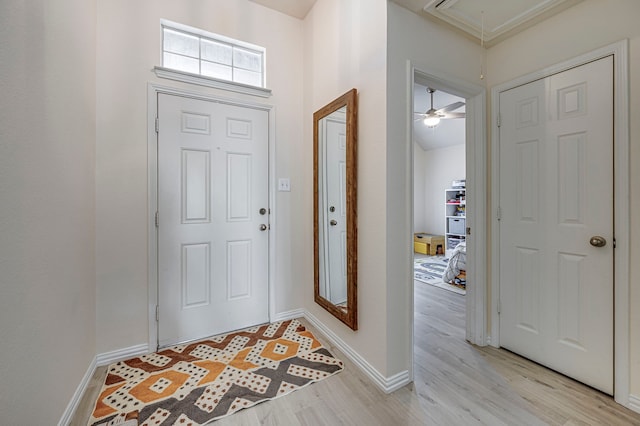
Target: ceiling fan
(433, 116)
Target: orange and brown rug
(206, 380)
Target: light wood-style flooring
(455, 384)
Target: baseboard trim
(288, 315)
(397, 381)
(386, 384)
(493, 341)
(77, 396)
(634, 403)
(122, 354)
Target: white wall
(419, 195)
(128, 46)
(582, 28)
(452, 56)
(47, 148)
(439, 167)
(345, 44)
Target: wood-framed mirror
(335, 217)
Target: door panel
(527, 289)
(212, 253)
(195, 266)
(238, 187)
(556, 192)
(196, 192)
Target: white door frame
(476, 167)
(619, 51)
(152, 183)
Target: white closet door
(556, 194)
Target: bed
(456, 270)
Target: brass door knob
(597, 241)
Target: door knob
(263, 211)
(333, 222)
(263, 227)
(597, 241)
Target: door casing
(619, 51)
(152, 160)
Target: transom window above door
(195, 51)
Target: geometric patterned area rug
(430, 270)
(199, 382)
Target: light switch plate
(284, 185)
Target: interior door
(336, 205)
(213, 218)
(556, 197)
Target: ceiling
(296, 8)
(448, 132)
(499, 18)
(494, 19)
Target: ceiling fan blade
(454, 115)
(451, 107)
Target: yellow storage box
(428, 244)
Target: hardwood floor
(455, 384)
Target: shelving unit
(455, 217)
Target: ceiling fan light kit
(431, 120)
(433, 116)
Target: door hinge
(468, 230)
(498, 308)
(157, 313)
(499, 213)
(157, 219)
(157, 124)
(499, 120)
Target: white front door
(556, 194)
(335, 161)
(212, 245)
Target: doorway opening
(448, 203)
(439, 182)
(439, 222)
(444, 322)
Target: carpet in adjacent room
(430, 270)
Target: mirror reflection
(335, 201)
(332, 211)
